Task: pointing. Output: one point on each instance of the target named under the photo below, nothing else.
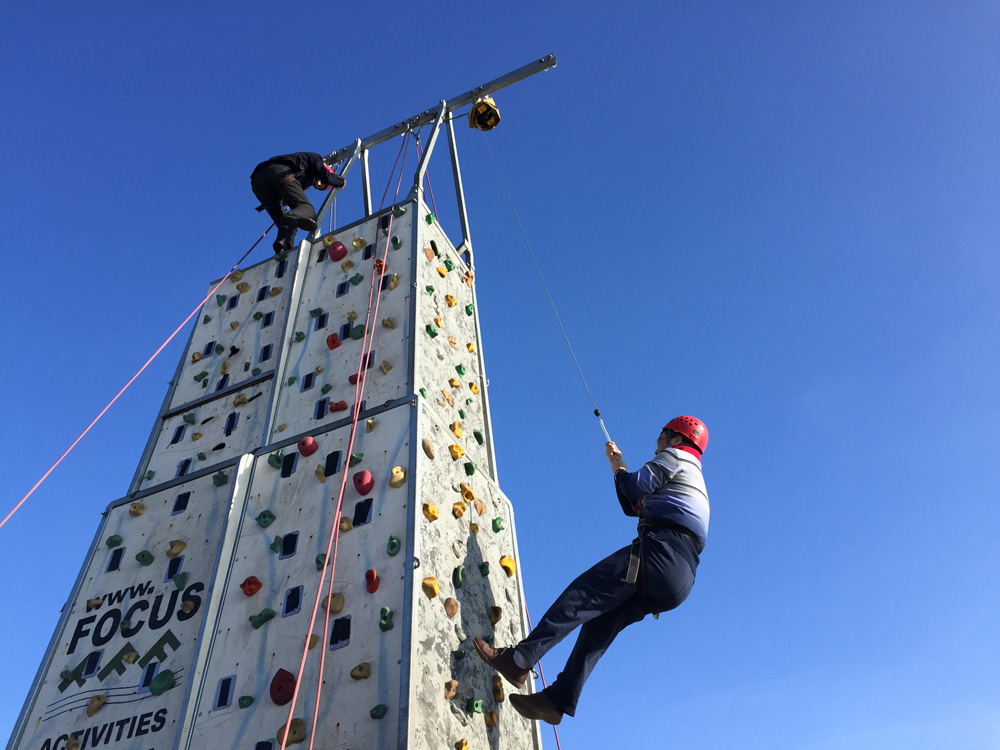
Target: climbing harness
(597, 412)
(134, 377)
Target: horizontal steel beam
(450, 105)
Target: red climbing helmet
(692, 428)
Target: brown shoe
(536, 706)
(502, 660)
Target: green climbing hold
(429, 218)
(291, 380)
(201, 376)
(385, 231)
(469, 401)
(478, 435)
(470, 468)
(469, 309)
(356, 279)
(220, 479)
(358, 333)
(431, 330)
(202, 457)
(244, 701)
(150, 474)
(219, 348)
(125, 625)
(206, 320)
(488, 638)
(189, 417)
(221, 299)
(461, 413)
(385, 619)
(257, 620)
(113, 541)
(379, 711)
(180, 580)
(299, 336)
(458, 576)
(497, 525)
(265, 518)
(484, 568)
(276, 459)
(258, 315)
(320, 561)
(396, 242)
(392, 548)
(315, 312)
(429, 289)
(460, 369)
(163, 682)
(255, 371)
(276, 545)
(458, 655)
(326, 388)
(423, 392)
(144, 558)
(66, 676)
(450, 265)
(398, 211)
(434, 247)
(472, 706)
(356, 458)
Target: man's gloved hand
(614, 456)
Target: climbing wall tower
(189, 623)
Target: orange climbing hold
(251, 585)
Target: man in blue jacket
(281, 180)
(653, 575)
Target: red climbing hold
(308, 446)
(379, 266)
(372, 581)
(338, 406)
(337, 252)
(353, 379)
(251, 585)
(333, 341)
(282, 687)
(363, 482)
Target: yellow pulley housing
(484, 114)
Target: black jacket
(306, 165)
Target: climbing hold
(467, 494)
(385, 367)
(456, 427)
(458, 509)
(371, 424)
(428, 253)
(95, 704)
(462, 744)
(313, 641)
(258, 315)
(450, 689)
(201, 456)
(180, 581)
(361, 672)
(473, 706)
(459, 655)
(458, 576)
(460, 369)
(251, 585)
(308, 446)
(379, 711)
(353, 379)
(372, 581)
(315, 312)
(320, 561)
(449, 398)
(196, 357)
(442, 271)
(346, 524)
(347, 265)
(220, 479)
(94, 603)
(451, 606)
(195, 437)
(470, 468)
(385, 619)
(495, 614)
(276, 459)
(430, 586)
(449, 264)
(224, 368)
(430, 512)
(431, 331)
(478, 435)
(149, 475)
(450, 300)
(480, 506)
(189, 418)
(392, 548)
(428, 447)
(244, 701)
(275, 291)
(206, 320)
(136, 509)
(452, 341)
(358, 333)
(455, 383)
(220, 299)
(469, 309)
(396, 242)
(175, 548)
(491, 717)
(389, 323)
(255, 371)
(423, 392)
(508, 565)
(243, 287)
(474, 527)
(333, 341)
(336, 251)
(236, 275)
(296, 732)
(438, 322)
(456, 451)
(320, 474)
(338, 406)
(163, 682)
(363, 482)
(471, 347)
(356, 279)
(398, 211)
(379, 266)
(398, 477)
(393, 281)
(326, 388)
(358, 243)
(291, 380)
(187, 606)
(484, 569)
(497, 525)
(201, 376)
(356, 458)
(474, 388)
(282, 687)
(429, 218)
(240, 400)
(333, 603)
(429, 289)
(144, 558)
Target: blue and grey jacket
(669, 488)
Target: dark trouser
(603, 603)
(272, 187)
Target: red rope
(133, 379)
(541, 673)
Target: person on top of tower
(281, 180)
(654, 574)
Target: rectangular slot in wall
(340, 633)
(181, 503)
(224, 692)
(293, 601)
(362, 512)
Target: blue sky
(781, 217)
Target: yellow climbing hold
(94, 603)
(243, 287)
(450, 300)
(236, 275)
(430, 586)
(320, 474)
(393, 281)
(275, 291)
(234, 325)
(95, 704)
(195, 436)
(389, 323)
(473, 387)
(176, 547)
(224, 368)
(491, 718)
(361, 672)
(442, 271)
(136, 509)
(240, 400)
(497, 682)
(456, 427)
(507, 563)
(72, 743)
(347, 265)
(455, 383)
(430, 512)
(495, 614)
(398, 476)
(333, 603)
(186, 606)
(457, 451)
(196, 357)
(282, 427)
(467, 494)
(313, 640)
(458, 509)
(296, 732)
(462, 744)
(346, 524)
(352, 316)
(474, 528)
(359, 244)
(385, 367)
(372, 424)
